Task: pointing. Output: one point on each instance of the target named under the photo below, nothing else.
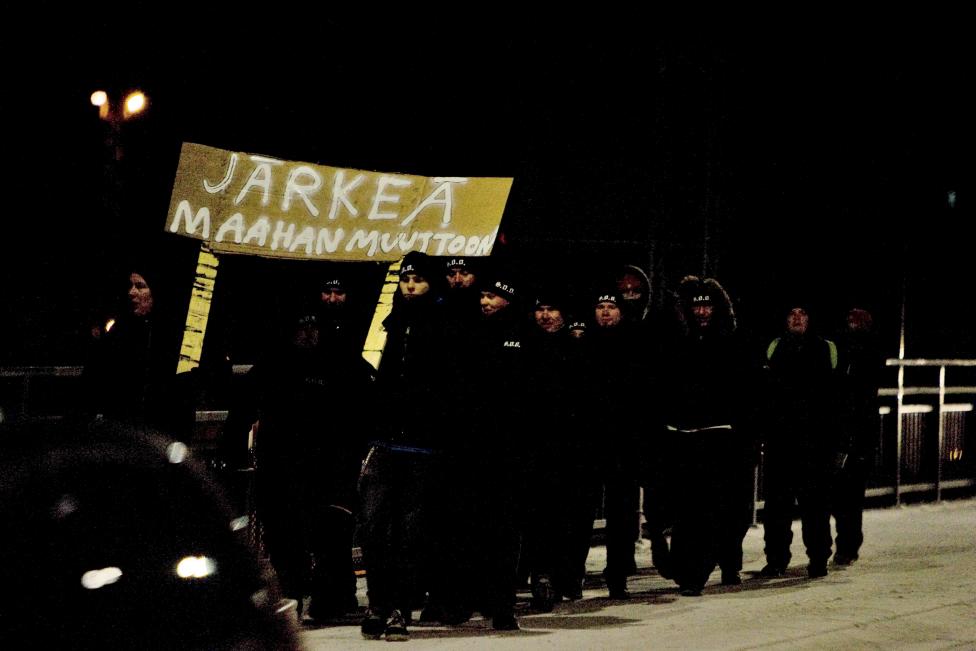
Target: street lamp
(134, 103)
(113, 114)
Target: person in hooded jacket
(861, 363)
(396, 478)
(559, 498)
(804, 443)
(131, 374)
(462, 296)
(657, 328)
(617, 380)
(706, 389)
(303, 404)
(487, 456)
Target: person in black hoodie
(487, 456)
(396, 477)
(131, 375)
(559, 498)
(861, 365)
(706, 390)
(803, 443)
(304, 404)
(462, 295)
(617, 379)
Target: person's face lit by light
(140, 295)
(460, 278)
(413, 285)
(798, 321)
(492, 303)
(549, 318)
(607, 314)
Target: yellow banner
(256, 205)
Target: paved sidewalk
(914, 587)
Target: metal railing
(944, 413)
(924, 457)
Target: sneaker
(396, 628)
(772, 571)
(817, 569)
(504, 621)
(731, 578)
(689, 591)
(373, 626)
(543, 595)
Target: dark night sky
(796, 159)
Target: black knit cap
(417, 263)
(504, 287)
(607, 297)
(333, 282)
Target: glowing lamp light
(99, 98)
(135, 102)
(195, 567)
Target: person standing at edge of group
(131, 375)
(395, 481)
(308, 459)
(707, 392)
(617, 376)
(861, 364)
(803, 442)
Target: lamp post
(114, 114)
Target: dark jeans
(558, 522)
(300, 527)
(476, 533)
(847, 506)
(392, 525)
(794, 480)
(713, 505)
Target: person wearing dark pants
(789, 481)
(617, 376)
(861, 367)
(804, 443)
(707, 387)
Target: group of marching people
(474, 457)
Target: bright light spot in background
(951, 198)
(134, 103)
(95, 579)
(239, 523)
(109, 325)
(195, 567)
(99, 98)
(176, 452)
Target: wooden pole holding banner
(376, 337)
(199, 310)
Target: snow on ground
(914, 587)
